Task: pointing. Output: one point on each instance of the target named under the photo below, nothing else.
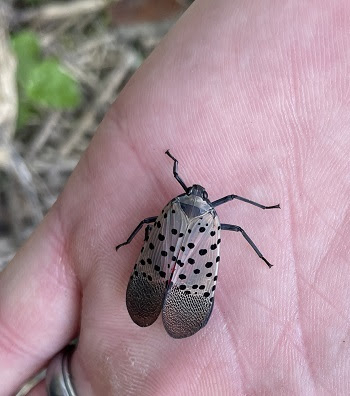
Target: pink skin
(253, 99)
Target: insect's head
(198, 191)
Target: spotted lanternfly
(176, 272)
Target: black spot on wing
(188, 303)
(149, 279)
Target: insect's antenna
(176, 175)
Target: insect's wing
(190, 298)
(150, 278)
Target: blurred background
(62, 63)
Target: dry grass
(36, 160)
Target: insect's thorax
(193, 206)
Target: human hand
(253, 100)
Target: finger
(39, 305)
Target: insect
(176, 271)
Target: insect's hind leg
(231, 227)
(148, 220)
(233, 196)
(176, 175)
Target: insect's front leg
(233, 196)
(148, 220)
(231, 227)
(175, 173)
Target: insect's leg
(233, 196)
(176, 175)
(148, 220)
(230, 227)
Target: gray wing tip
(183, 314)
(144, 300)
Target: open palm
(252, 99)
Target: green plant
(42, 83)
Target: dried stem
(107, 92)
(57, 11)
(8, 87)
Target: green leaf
(51, 86)
(25, 113)
(26, 47)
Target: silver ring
(59, 381)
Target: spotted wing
(190, 297)
(150, 278)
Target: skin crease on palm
(252, 98)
